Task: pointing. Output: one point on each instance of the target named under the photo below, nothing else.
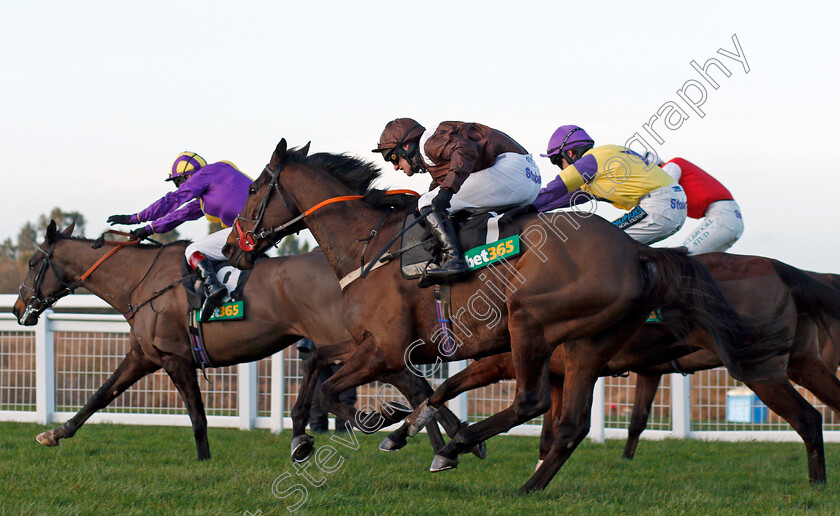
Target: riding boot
(452, 265)
(215, 292)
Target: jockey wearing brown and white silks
(472, 166)
(217, 191)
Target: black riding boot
(214, 290)
(452, 265)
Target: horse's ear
(278, 155)
(68, 231)
(52, 232)
(280, 151)
(305, 149)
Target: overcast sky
(99, 97)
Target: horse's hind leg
(783, 399)
(134, 366)
(581, 374)
(551, 418)
(646, 387)
(184, 376)
(808, 370)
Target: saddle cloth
(473, 230)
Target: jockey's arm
(559, 192)
(462, 155)
(190, 211)
(192, 188)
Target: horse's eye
(252, 190)
(31, 265)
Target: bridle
(69, 288)
(248, 239)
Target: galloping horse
(759, 288)
(578, 280)
(818, 305)
(287, 298)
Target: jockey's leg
(199, 255)
(451, 263)
(721, 227)
(513, 180)
(660, 214)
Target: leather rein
(248, 239)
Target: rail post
(44, 369)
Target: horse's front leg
(367, 364)
(320, 359)
(134, 366)
(477, 374)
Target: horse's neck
(115, 278)
(339, 231)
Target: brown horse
(759, 288)
(287, 298)
(819, 317)
(602, 286)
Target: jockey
(472, 167)
(218, 191)
(709, 200)
(655, 202)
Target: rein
(248, 239)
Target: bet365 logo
(478, 257)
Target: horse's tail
(680, 283)
(819, 299)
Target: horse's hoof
(420, 417)
(539, 463)
(480, 450)
(302, 446)
(390, 445)
(442, 463)
(47, 438)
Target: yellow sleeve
(571, 177)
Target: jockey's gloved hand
(119, 219)
(441, 201)
(140, 233)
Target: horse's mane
(356, 174)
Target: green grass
(115, 469)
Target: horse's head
(268, 215)
(43, 284)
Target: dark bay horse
(287, 298)
(818, 323)
(759, 288)
(578, 280)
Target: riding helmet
(567, 137)
(186, 164)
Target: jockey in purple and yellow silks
(217, 191)
(655, 202)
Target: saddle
(496, 231)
